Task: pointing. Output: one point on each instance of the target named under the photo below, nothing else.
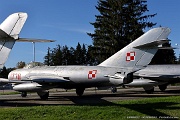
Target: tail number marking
(130, 56)
(92, 74)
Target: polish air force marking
(92, 74)
(130, 56)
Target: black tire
(162, 87)
(80, 91)
(113, 89)
(149, 91)
(23, 94)
(44, 96)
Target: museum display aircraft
(156, 75)
(115, 71)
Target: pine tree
(72, 60)
(47, 58)
(20, 64)
(80, 54)
(84, 55)
(4, 73)
(119, 23)
(56, 56)
(65, 55)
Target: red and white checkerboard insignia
(130, 56)
(92, 74)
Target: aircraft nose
(14, 75)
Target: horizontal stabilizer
(167, 48)
(154, 44)
(33, 40)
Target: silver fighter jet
(115, 71)
(156, 75)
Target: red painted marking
(16, 76)
(130, 56)
(92, 74)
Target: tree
(4, 73)
(119, 23)
(47, 58)
(80, 55)
(90, 59)
(57, 56)
(20, 64)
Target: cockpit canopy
(33, 64)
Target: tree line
(118, 23)
(64, 55)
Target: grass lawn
(148, 108)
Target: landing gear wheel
(23, 94)
(162, 87)
(149, 91)
(113, 89)
(43, 95)
(80, 91)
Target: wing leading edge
(48, 79)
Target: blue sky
(67, 22)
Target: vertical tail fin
(140, 52)
(9, 32)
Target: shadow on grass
(149, 109)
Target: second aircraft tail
(9, 32)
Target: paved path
(90, 97)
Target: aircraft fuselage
(88, 76)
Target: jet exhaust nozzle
(119, 79)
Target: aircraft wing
(159, 73)
(159, 76)
(6, 81)
(33, 40)
(37, 79)
(3, 81)
(48, 79)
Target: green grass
(130, 109)
(9, 93)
